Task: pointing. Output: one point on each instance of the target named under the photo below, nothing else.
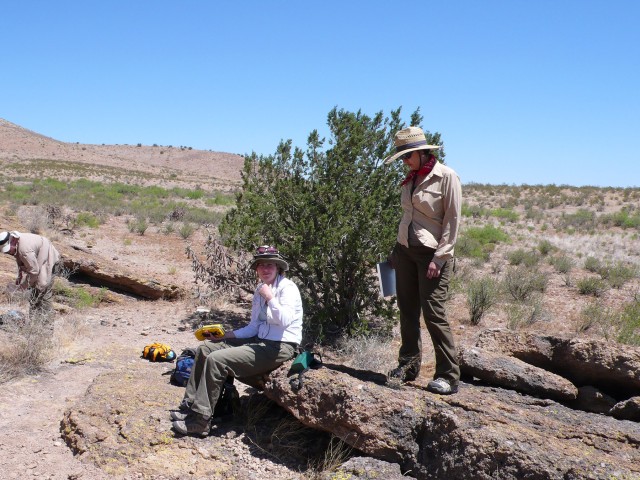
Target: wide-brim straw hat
(408, 140)
(269, 258)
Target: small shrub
(584, 220)
(521, 283)
(591, 286)
(524, 314)
(523, 257)
(480, 242)
(138, 226)
(545, 247)
(562, 263)
(629, 324)
(482, 294)
(592, 264)
(505, 214)
(85, 219)
(596, 318)
(35, 219)
(186, 230)
(617, 274)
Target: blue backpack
(184, 364)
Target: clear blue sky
(523, 92)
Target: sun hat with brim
(5, 240)
(269, 258)
(409, 140)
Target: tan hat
(268, 254)
(408, 140)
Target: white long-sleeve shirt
(279, 319)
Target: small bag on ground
(158, 352)
(184, 365)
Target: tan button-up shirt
(36, 257)
(433, 211)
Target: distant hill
(18, 144)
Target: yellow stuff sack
(158, 352)
(216, 330)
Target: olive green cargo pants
(416, 292)
(236, 357)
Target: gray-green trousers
(236, 357)
(416, 292)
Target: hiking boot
(193, 424)
(442, 386)
(402, 373)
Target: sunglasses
(406, 156)
(266, 249)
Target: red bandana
(424, 170)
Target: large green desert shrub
(333, 210)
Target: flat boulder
(610, 367)
(510, 372)
(103, 273)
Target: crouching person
(270, 339)
(37, 260)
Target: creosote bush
(562, 263)
(522, 283)
(482, 294)
(591, 286)
(524, 257)
(617, 274)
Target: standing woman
(423, 259)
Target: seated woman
(271, 338)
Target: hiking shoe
(177, 415)
(185, 405)
(442, 386)
(402, 373)
(193, 424)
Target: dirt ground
(90, 341)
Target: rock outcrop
(511, 372)
(116, 277)
(481, 432)
(591, 375)
(608, 366)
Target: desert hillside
(29, 153)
